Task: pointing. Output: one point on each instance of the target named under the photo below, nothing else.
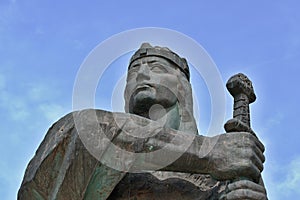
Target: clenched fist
(235, 155)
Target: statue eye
(133, 68)
(158, 69)
(132, 72)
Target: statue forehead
(150, 59)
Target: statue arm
(224, 157)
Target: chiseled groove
(65, 165)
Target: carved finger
(254, 139)
(245, 194)
(246, 184)
(257, 162)
(249, 170)
(248, 164)
(259, 144)
(260, 154)
(257, 147)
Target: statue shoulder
(62, 168)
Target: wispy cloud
(21, 102)
(291, 183)
(10, 103)
(275, 120)
(52, 112)
(29, 108)
(39, 92)
(283, 180)
(10, 176)
(8, 12)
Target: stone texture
(64, 169)
(180, 186)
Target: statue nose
(143, 73)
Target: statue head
(158, 85)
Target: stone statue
(71, 162)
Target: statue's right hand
(245, 189)
(236, 155)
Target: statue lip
(143, 85)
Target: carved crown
(147, 50)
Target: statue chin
(141, 102)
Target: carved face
(151, 80)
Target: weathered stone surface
(176, 186)
(63, 169)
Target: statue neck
(173, 117)
(169, 117)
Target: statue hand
(236, 155)
(245, 189)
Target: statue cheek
(171, 82)
(128, 91)
(130, 86)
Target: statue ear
(179, 89)
(126, 106)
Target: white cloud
(291, 183)
(274, 120)
(14, 105)
(29, 109)
(41, 92)
(25, 101)
(263, 129)
(10, 176)
(283, 180)
(52, 112)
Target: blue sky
(43, 43)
